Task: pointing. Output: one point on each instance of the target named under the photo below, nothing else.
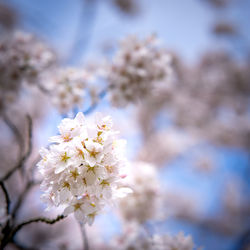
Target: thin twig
(15, 131)
(40, 219)
(10, 236)
(84, 236)
(7, 198)
(24, 158)
(92, 107)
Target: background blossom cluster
(138, 68)
(23, 59)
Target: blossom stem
(40, 219)
(10, 233)
(84, 236)
(92, 107)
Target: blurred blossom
(204, 163)
(167, 242)
(67, 88)
(224, 28)
(170, 144)
(8, 18)
(23, 60)
(212, 101)
(138, 69)
(134, 238)
(127, 6)
(181, 204)
(145, 201)
(219, 3)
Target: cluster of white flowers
(138, 68)
(67, 88)
(22, 60)
(142, 179)
(82, 170)
(167, 242)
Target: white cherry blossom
(82, 169)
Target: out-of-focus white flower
(67, 87)
(145, 201)
(23, 59)
(138, 68)
(82, 170)
(134, 237)
(170, 144)
(167, 242)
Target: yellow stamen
(64, 157)
(66, 184)
(77, 206)
(74, 174)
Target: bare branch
(92, 107)
(15, 131)
(27, 154)
(40, 219)
(7, 198)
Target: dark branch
(24, 158)
(41, 219)
(7, 198)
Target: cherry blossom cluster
(82, 170)
(138, 68)
(22, 60)
(143, 180)
(67, 88)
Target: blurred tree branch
(10, 234)
(26, 155)
(6, 195)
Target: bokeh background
(203, 164)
